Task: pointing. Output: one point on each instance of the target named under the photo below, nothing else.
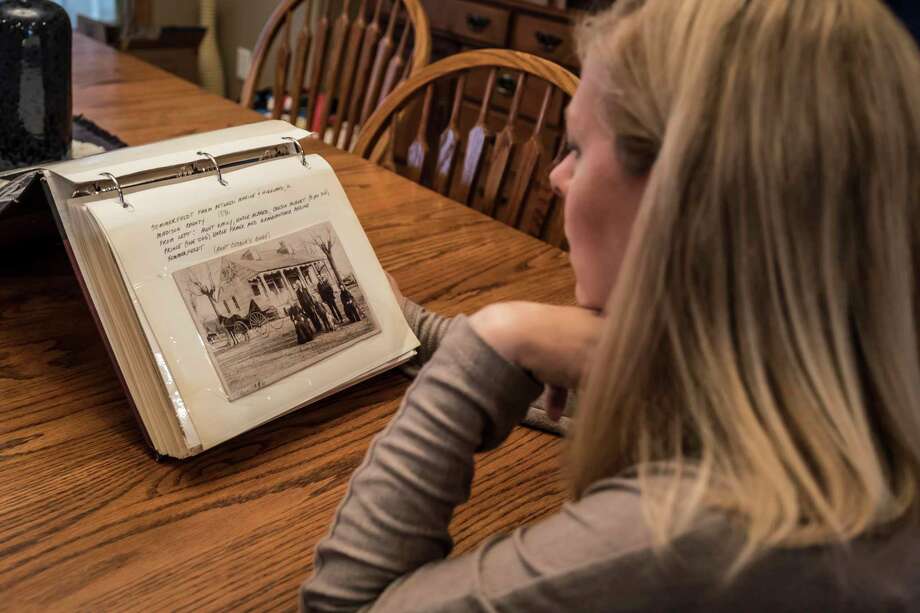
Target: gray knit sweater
(388, 548)
(431, 327)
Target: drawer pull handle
(505, 84)
(477, 23)
(547, 42)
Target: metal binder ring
(299, 149)
(220, 176)
(121, 194)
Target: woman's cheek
(585, 252)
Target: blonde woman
(742, 203)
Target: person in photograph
(322, 311)
(348, 304)
(328, 295)
(301, 327)
(308, 305)
(742, 205)
(334, 324)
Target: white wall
(103, 10)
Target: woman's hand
(395, 287)
(554, 343)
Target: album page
(256, 295)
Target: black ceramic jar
(35, 83)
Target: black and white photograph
(272, 309)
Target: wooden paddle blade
(449, 143)
(447, 155)
(498, 164)
(418, 150)
(472, 160)
(531, 152)
(528, 159)
(476, 143)
(501, 154)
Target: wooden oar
(530, 154)
(449, 143)
(418, 150)
(476, 143)
(501, 152)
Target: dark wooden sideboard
(458, 25)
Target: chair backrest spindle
(318, 54)
(340, 64)
(476, 142)
(337, 48)
(394, 67)
(282, 62)
(300, 64)
(501, 153)
(449, 142)
(496, 114)
(418, 150)
(384, 51)
(348, 74)
(531, 152)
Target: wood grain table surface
(88, 519)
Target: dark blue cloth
(909, 12)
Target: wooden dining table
(90, 520)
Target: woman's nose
(559, 177)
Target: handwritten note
(229, 224)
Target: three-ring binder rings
(230, 279)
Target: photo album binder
(230, 279)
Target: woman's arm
(429, 327)
(394, 519)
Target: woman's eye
(572, 148)
(567, 150)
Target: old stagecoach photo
(272, 309)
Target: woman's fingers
(556, 398)
(552, 342)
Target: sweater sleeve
(394, 518)
(429, 327)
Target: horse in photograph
(235, 326)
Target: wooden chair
(342, 65)
(489, 129)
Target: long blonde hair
(761, 351)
